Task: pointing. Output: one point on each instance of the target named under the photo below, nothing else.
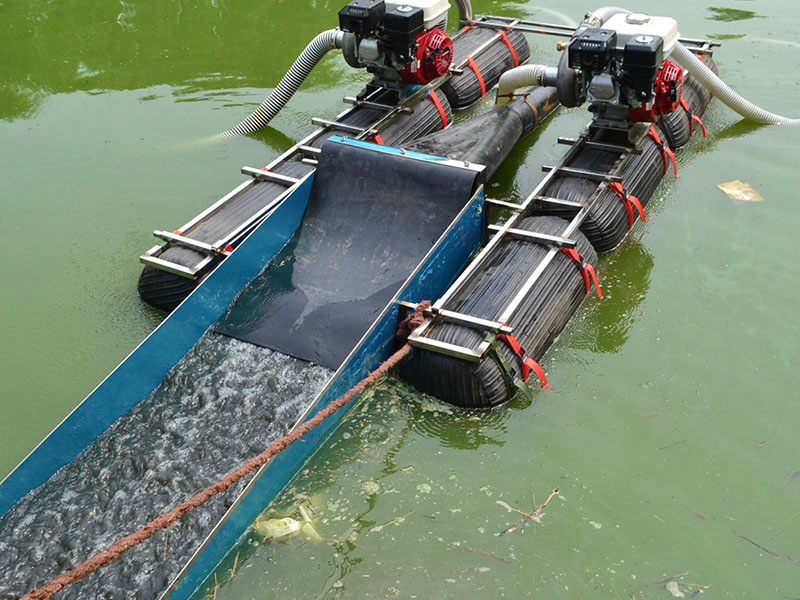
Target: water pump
(621, 68)
(399, 42)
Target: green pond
(670, 431)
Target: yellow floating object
(276, 528)
(739, 191)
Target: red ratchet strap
(692, 117)
(506, 41)
(228, 248)
(377, 139)
(586, 270)
(666, 152)
(471, 64)
(528, 364)
(178, 232)
(439, 107)
(628, 200)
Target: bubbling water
(225, 402)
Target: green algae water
(670, 431)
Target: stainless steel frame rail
(420, 336)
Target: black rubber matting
(372, 217)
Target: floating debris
(770, 552)
(535, 516)
(370, 487)
(731, 14)
(740, 192)
(395, 521)
(791, 476)
(725, 36)
(674, 589)
(673, 444)
(277, 528)
(696, 514)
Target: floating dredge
(321, 253)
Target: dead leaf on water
(791, 476)
(740, 192)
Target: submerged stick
(770, 552)
(484, 553)
(534, 516)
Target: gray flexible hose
(294, 78)
(464, 11)
(723, 92)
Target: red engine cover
(668, 90)
(433, 58)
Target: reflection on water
(80, 45)
(626, 279)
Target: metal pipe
(597, 17)
(524, 76)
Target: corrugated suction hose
(723, 92)
(294, 78)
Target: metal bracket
(540, 238)
(181, 240)
(582, 173)
(266, 175)
(450, 316)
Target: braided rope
(163, 521)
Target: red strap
(377, 139)
(586, 270)
(590, 269)
(178, 232)
(534, 366)
(512, 342)
(528, 364)
(692, 117)
(627, 201)
(506, 41)
(466, 28)
(439, 107)
(635, 201)
(666, 152)
(228, 248)
(471, 64)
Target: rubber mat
(372, 217)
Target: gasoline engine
(400, 42)
(621, 69)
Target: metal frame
(420, 336)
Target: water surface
(671, 429)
